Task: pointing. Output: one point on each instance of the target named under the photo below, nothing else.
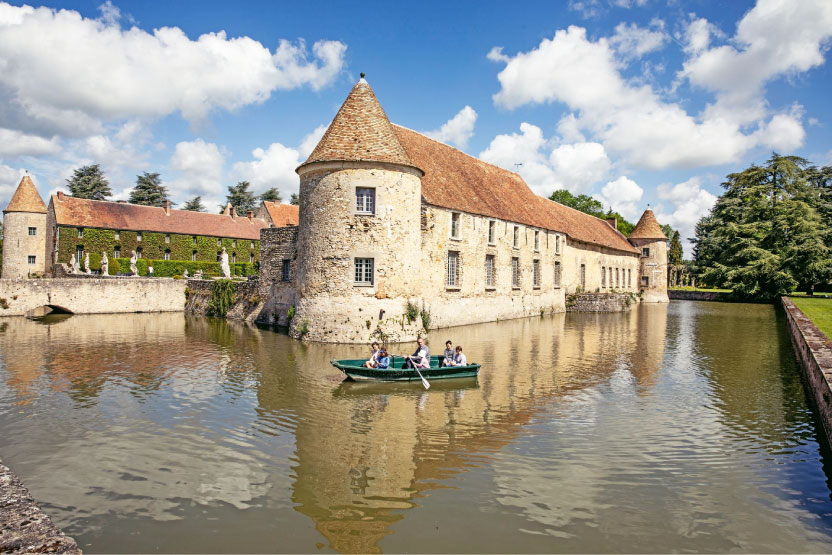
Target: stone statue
(72, 263)
(87, 269)
(185, 274)
(224, 267)
(133, 258)
(76, 265)
(198, 274)
(105, 264)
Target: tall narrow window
(455, 218)
(138, 252)
(33, 231)
(583, 275)
(219, 242)
(617, 283)
(629, 279)
(363, 271)
(233, 257)
(194, 240)
(536, 241)
(557, 244)
(516, 240)
(167, 238)
(79, 253)
(536, 273)
(287, 268)
(515, 272)
(452, 276)
(490, 278)
(251, 258)
(603, 276)
(491, 229)
(80, 232)
(234, 243)
(167, 254)
(365, 200)
(139, 236)
(645, 281)
(117, 235)
(116, 252)
(252, 244)
(31, 259)
(557, 274)
(193, 256)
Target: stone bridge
(90, 295)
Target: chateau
(398, 230)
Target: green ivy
(170, 268)
(222, 297)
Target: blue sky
(633, 101)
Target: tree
(675, 253)
(194, 205)
(240, 198)
(584, 203)
(271, 195)
(149, 190)
(89, 182)
(295, 199)
(765, 234)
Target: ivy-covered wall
(153, 245)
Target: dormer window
(365, 200)
(139, 236)
(80, 232)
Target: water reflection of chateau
(363, 454)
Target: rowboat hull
(355, 370)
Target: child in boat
(448, 359)
(383, 360)
(421, 358)
(459, 358)
(373, 362)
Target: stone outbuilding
(24, 233)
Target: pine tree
(89, 182)
(241, 198)
(149, 190)
(194, 205)
(295, 199)
(272, 195)
(675, 253)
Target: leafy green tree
(89, 182)
(675, 252)
(294, 199)
(584, 203)
(240, 197)
(271, 195)
(194, 205)
(765, 234)
(149, 190)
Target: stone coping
(814, 352)
(24, 528)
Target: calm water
(671, 428)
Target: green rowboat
(355, 370)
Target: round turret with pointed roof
(26, 198)
(647, 228)
(360, 132)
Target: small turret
(649, 238)
(24, 232)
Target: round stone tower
(359, 234)
(648, 237)
(24, 233)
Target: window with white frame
(452, 275)
(557, 274)
(455, 221)
(167, 238)
(167, 255)
(536, 273)
(117, 252)
(365, 200)
(117, 235)
(79, 253)
(492, 225)
(515, 272)
(490, 277)
(536, 241)
(364, 271)
(80, 232)
(139, 236)
(516, 240)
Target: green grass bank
(819, 311)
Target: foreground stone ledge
(814, 352)
(24, 528)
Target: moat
(680, 427)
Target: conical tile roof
(360, 132)
(26, 198)
(647, 227)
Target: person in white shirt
(459, 357)
(373, 362)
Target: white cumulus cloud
(199, 166)
(688, 202)
(457, 130)
(632, 41)
(622, 195)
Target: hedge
(170, 268)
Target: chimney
(166, 206)
(227, 211)
(60, 195)
(613, 223)
(250, 214)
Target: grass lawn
(818, 311)
(680, 288)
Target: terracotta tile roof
(360, 131)
(77, 212)
(282, 214)
(26, 198)
(458, 181)
(647, 227)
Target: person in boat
(421, 358)
(383, 360)
(448, 359)
(373, 362)
(459, 357)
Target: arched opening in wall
(46, 310)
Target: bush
(170, 268)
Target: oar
(424, 381)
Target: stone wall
(248, 302)
(814, 352)
(24, 528)
(653, 268)
(675, 294)
(595, 258)
(276, 245)
(19, 245)
(600, 302)
(92, 295)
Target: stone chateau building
(397, 229)
(38, 237)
